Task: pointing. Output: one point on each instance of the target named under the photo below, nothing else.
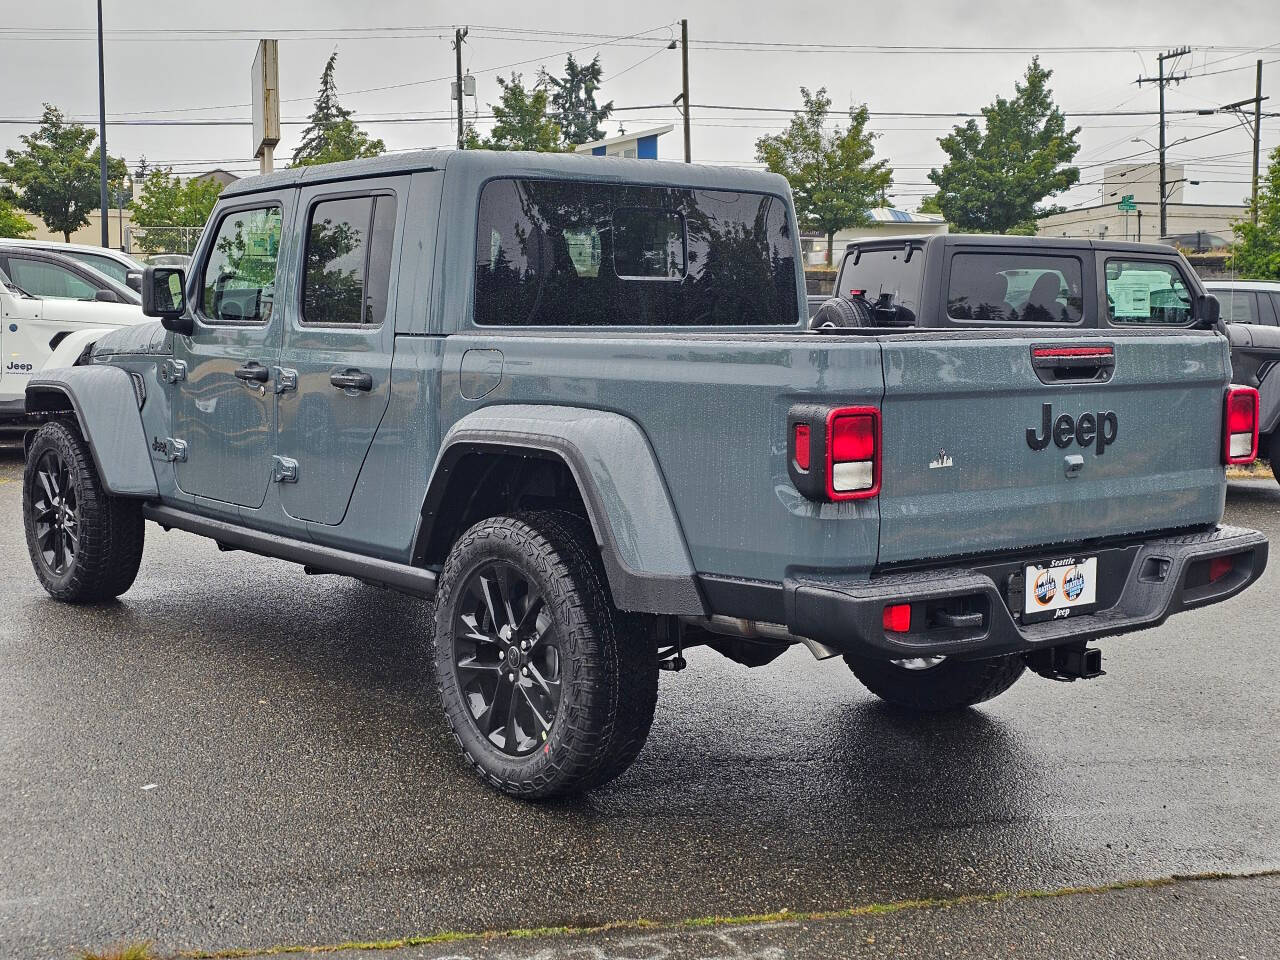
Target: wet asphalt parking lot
(240, 756)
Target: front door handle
(253, 371)
(352, 380)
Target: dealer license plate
(1060, 588)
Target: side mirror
(163, 296)
(106, 296)
(1210, 309)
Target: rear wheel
(85, 544)
(937, 684)
(1273, 454)
(547, 688)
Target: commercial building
(641, 145)
(1195, 226)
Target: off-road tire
(609, 660)
(839, 312)
(1273, 454)
(110, 529)
(951, 685)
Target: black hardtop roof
(481, 165)
(1002, 241)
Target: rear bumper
(1140, 585)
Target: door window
(1147, 292)
(999, 287)
(114, 269)
(1238, 306)
(43, 279)
(239, 279)
(348, 261)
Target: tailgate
(962, 474)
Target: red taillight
(897, 617)
(1240, 426)
(1219, 567)
(802, 446)
(853, 453)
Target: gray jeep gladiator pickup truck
(577, 403)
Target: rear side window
(551, 253)
(1238, 306)
(114, 269)
(879, 272)
(239, 280)
(1147, 292)
(348, 261)
(1020, 288)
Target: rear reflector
(1240, 425)
(897, 617)
(1219, 567)
(802, 446)
(853, 453)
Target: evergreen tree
(332, 133)
(573, 100)
(996, 175)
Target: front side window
(561, 253)
(239, 280)
(1032, 289)
(1147, 292)
(348, 261)
(41, 279)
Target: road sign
(1126, 203)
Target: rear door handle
(253, 371)
(352, 380)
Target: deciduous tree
(997, 173)
(55, 175)
(834, 178)
(521, 121)
(165, 202)
(1256, 253)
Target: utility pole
(1257, 138)
(1162, 81)
(458, 37)
(684, 69)
(102, 136)
(1254, 125)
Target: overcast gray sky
(47, 53)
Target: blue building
(641, 145)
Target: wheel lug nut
(524, 671)
(524, 644)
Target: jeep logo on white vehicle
(1103, 426)
(15, 367)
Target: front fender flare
(632, 515)
(106, 408)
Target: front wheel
(937, 684)
(548, 688)
(85, 544)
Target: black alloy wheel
(507, 659)
(55, 509)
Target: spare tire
(843, 312)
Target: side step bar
(397, 576)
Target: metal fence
(157, 240)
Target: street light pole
(102, 136)
(1163, 81)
